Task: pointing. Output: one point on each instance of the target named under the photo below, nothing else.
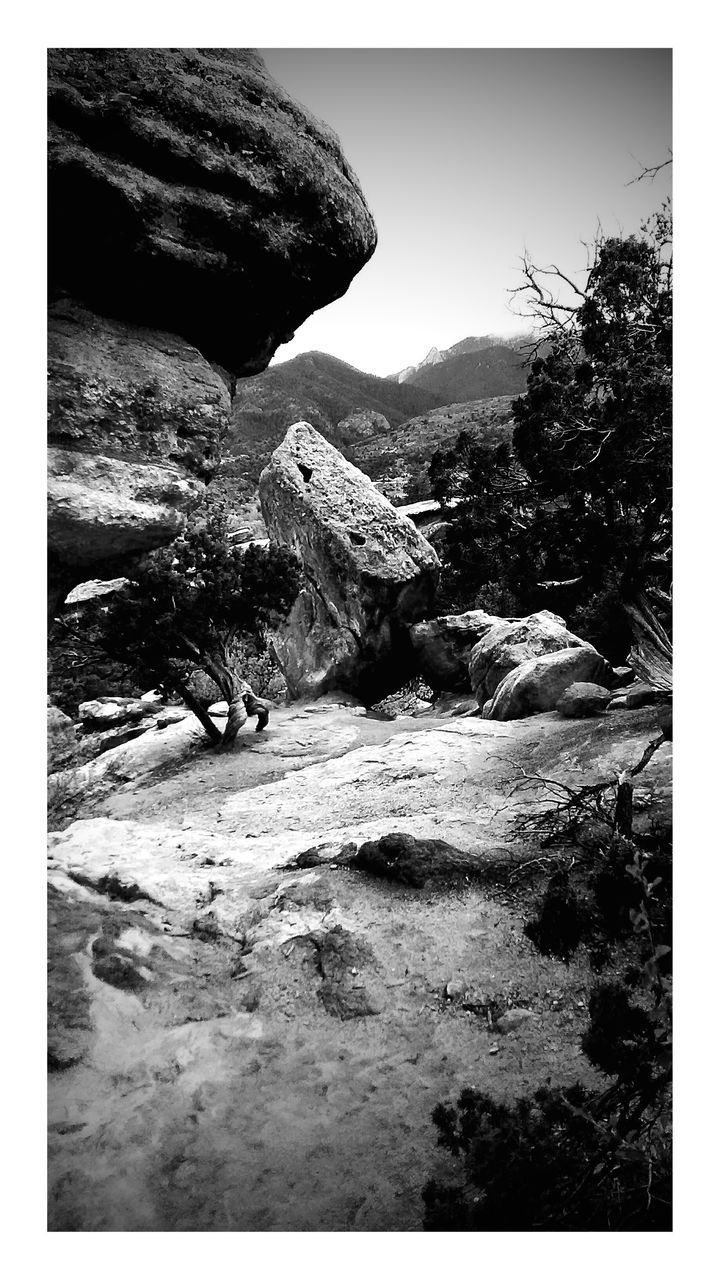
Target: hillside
(317, 388)
(465, 346)
(397, 460)
(472, 375)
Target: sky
(467, 158)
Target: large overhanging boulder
(189, 192)
(189, 195)
(369, 572)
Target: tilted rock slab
(539, 683)
(189, 192)
(508, 642)
(369, 572)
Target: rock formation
(443, 647)
(189, 192)
(189, 195)
(216, 1015)
(539, 683)
(510, 641)
(135, 418)
(369, 573)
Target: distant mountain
(472, 369)
(335, 397)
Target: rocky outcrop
(369, 573)
(61, 739)
(190, 195)
(361, 424)
(189, 192)
(443, 646)
(110, 713)
(135, 419)
(538, 683)
(511, 641)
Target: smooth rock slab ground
(224, 1091)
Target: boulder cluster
(364, 624)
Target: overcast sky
(466, 157)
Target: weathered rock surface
(61, 739)
(94, 589)
(189, 192)
(190, 195)
(538, 683)
(583, 699)
(135, 420)
(369, 573)
(109, 713)
(238, 1046)
(443, 646)
(511, 641)
(400, 857)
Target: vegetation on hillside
(473, 375)
(316, 388)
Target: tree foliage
(187, 606)
(579, 1159)
(578, 516)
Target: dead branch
(650, 171)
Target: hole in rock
(357, 538)
(305, 472)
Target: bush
(552, 1162)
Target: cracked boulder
(369, 573)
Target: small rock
(454, 990)
(643, 695)
(172, 716)
(582, 699)
(513, 1019)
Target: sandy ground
(239, 1045)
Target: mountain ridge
(435, 356)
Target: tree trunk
(651, 655)
(232, 689)
(624, 806)
(197, 709)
